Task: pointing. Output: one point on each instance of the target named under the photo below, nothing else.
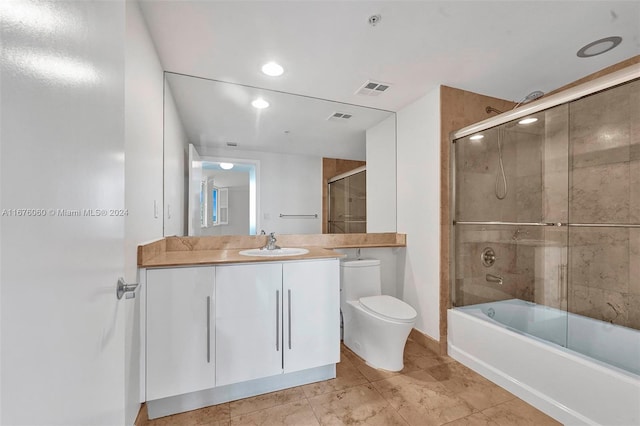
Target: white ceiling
(504, 49)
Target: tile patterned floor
(430, 390)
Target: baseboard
(143, 416)
(426, 341)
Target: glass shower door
(604, 209)
(511, 192)
(348, 204)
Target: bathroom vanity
(221, 326)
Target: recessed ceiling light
(599, 47)
(260, 103)
(226, 166)
(528, 120)
(476, 137)
(272, 69)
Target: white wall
(62, 147)
(288, 184)
(176, 177)
(418, 173)
(381, 176)
(143, 179)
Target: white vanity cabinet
(248, 322)
(219, 333)
(311, 310)
(180, 340)
(276, 318)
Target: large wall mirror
(233, 166)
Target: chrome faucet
(494, 279)
(271, 242)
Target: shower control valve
(488, 257)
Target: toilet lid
(389, 307)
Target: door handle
(123, 288)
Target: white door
(195, 192)
(62, 163)
(248, 322)
(311, 314)
(180, 352)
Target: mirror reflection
(233, 168)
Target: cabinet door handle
(208, 329)
(289, 317)
(277, 320)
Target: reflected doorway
(223, 195)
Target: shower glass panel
(348, 204)
(511, 191)
(604, 210)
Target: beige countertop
(220, 257)
(185, 251)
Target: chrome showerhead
(533, 96)
(536, 94)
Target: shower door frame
(608, 81)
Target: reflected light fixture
(528, 120)
(226, 166)
(260, 103)
(272, 69)
(476, 137)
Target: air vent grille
(339, 116)
(232, 144)
(373, 88)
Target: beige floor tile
(469, 385)
(476, 419)
(347, 375)
(215, 415)
(516, 413)
(297, 413)
(422, 400)
(268, 400)
(361, 405)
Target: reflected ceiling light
(272, 69)
(528, 120)
(260, 103)
(599, 47)
(226, 166)
(476, 137)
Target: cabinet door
(311, 314)
(179, 331)
(248, 322)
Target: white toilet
(376, 327)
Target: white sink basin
(284, 251)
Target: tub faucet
(271, 242)
(494, 279)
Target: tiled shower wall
(580, 164)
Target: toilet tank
(359, 278)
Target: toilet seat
(389, 308)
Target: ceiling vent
(339, 116)
(373, 88)
(232, 144)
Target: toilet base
(380, 343)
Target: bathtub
(524, 347)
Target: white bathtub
(521, 347)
